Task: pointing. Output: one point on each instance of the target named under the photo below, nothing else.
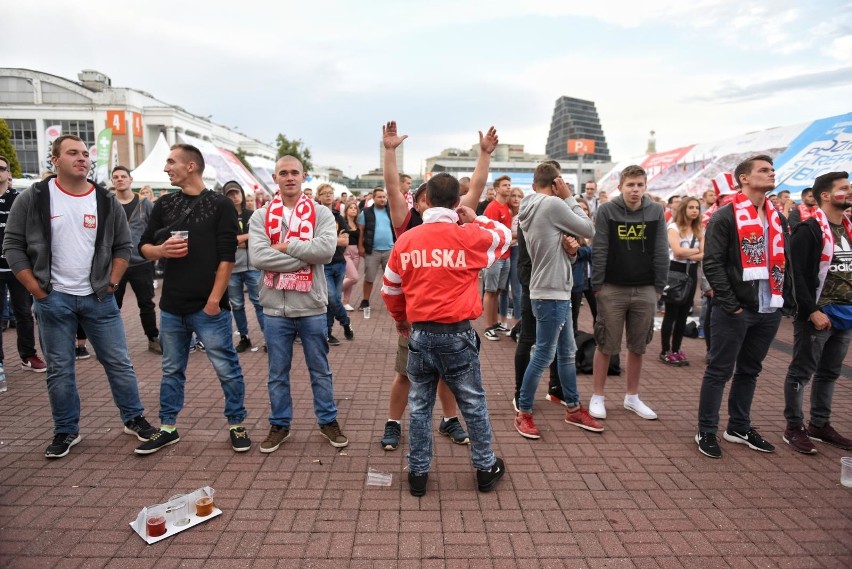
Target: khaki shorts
(374, 265)
(401, 356)
(625, 308)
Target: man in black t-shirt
(195, 229)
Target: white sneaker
(635, 404)
(597, 409)
(348, 308)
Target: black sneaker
(62, 443)
(240, 440)
(393, 432)
(348, 333)
(417, 483)
(486, 479)
(199, 346)
(454, 430)
(708, 445)
(81, 353)
(492, 333)
(157, 441)
(243, 345)
(364, 304)
(332, 341)
(752, 438)
(140, 427)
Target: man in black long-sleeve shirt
(195, 292)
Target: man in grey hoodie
(630, 265)
(545, 217)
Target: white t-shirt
(73, 227)
(684, 243)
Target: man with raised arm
(404, 219)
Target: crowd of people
(445, 257)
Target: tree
(7, 150)
(295, 148)
(241, 155)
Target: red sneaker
(581, 418)
(525, 425)
(33, 363)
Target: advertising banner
(825, 146)
(104, 148)
(51, 133)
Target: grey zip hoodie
(544, 220)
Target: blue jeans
(334, 273)
(58, 315)
(742, 341)
(554, 337)
(215, 332)
(515, 284)
(238, 300)
(280, 333)
(454, 356)
(818, 354)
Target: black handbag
(678, 286)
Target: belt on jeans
(440, 327)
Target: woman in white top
(686, 249)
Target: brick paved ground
(639, 495)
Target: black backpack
(585, 356)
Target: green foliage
(241, 154)
(295, 148)
(7, 150)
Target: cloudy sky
(331, 72)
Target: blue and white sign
(825, 146)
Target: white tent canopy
(150, 171)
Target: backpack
(585, 357)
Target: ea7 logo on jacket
(90, 221)
(442, 258)
(632, 232)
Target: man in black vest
(375, 242)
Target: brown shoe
(276, 436)
(797, 438)
(154, 346)
(334, 435)
(826, 434)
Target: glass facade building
(575, 118)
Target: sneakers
(525, 425)
(486, 479)
(633, 403)
(334, 435)
(155, 347)
(826, 434)
(797, 437)
(348, 333)
(670, 359)
(243, 345)
(597, 408)
(708, 445)
(752, 438)
(34, 363)
(393, 432)
(581, 418)
(157, 441)
(140, 427)
(453, 429)
(62, 443)
(348, 308)
(501, 327)
(273, 440)
(417, 483)
(332, 341)
(554, 395)
(199, 346)
(240, 440)
(81, 353)
(515, 404)
(492, 333)
(681, 358)
(364, 304)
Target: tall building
(400, 155)
(572, 119)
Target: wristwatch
(112, 285)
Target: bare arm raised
(397, 205)
(487, 144)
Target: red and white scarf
(828, 245)
(806, 212)
(300, 226)
(754, 246)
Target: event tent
(150, 171)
